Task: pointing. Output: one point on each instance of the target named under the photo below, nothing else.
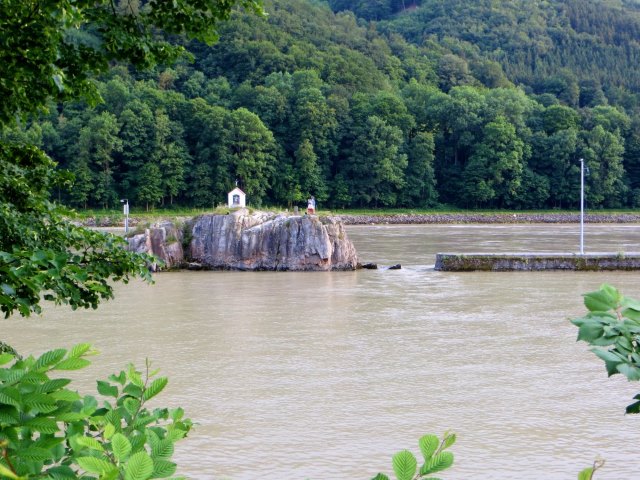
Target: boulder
(269, 241)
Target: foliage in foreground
(612, 327)
(43, 255)
(405, 464)
(49, 431)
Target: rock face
(164, 241)
(267, 241)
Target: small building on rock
(237, 198)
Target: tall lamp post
(125, 209)
(582, 206)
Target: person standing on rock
(311, 205)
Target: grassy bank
(368, 216)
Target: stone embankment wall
(461, 218)
(450, 262)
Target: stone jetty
(507, 262)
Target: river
(324, 376)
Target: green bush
(405, 464)
(49, 431)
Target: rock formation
(258, 241)
(268, 241)
(164, 240)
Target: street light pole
(582, 206)
(125, 208)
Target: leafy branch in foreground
(587, 473)
(613, 321)
(50, 431)
(436, 459)
(42, 254)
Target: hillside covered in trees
(472, 103)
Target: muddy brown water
(326, 375)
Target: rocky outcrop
(268, 241)
(163, 240)
(244, 241)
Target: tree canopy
(51, 52)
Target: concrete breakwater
(487, 218)
(498, 262)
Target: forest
(373, 103)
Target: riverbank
(410, 218)
(488, 218)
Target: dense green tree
(310, 179)
(420, 188)
(137, 134)
(170, 155)
(453, 71)
(97, 146)
(602, 152)
(249, 151)
(496, 166)
(375, 168)
(149, 184)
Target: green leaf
(51, 385)
(586, 474)
(65, 395)
(155, 388)
(132, 405)
(121, 446)
(61, 473)
(5, 472)
(43, 425)
(79, 349)
(9, 415)
(49, 358)
(599, 301)
(94, 465)
(440, 462)
(449, 439)
(72, 364)
(106, 389)
(163, 468)
(162, 449)
(133, 390)
(380, 476)
(631, 372)
(134, 376)
(6, 358)
(590, 330)
(71, 416)
(121, 378)
(10, 396)
(634, 408)
(139, 467)
(41, 402)
(90, 443)
(109, 431)
(404, 465)
(428, 445)
(36, 454)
